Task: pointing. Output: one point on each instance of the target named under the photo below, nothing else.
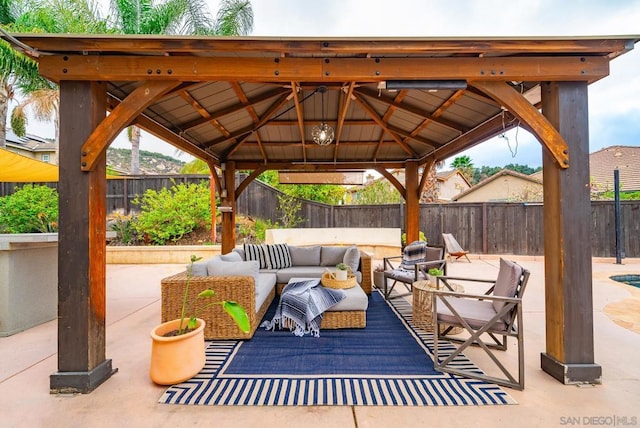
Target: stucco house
(32, 147)
(504, 186)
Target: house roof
(29, 142)
(625, 159)
(497, 175)
(254, 100)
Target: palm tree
(235, 17)
(14, 66)
(41, 95)
(465, 166)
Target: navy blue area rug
(388, 363)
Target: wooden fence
(489, 228)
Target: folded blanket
(302, 305)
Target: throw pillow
(218, 267)
(257, 252)
(331, 256)
(231, 257)
(352, 258)
(305, 256)
(279, 256)
(414, 253)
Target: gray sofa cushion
(356, 300)
(199, 268)
(331, 256)
(305, 256)
(218, 267)
(352, 258)
(264, 285)
(239, 251)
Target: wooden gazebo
(250, 103)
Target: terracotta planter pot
(177, 358)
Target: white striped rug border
(212, 387)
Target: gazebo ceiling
(254, 100)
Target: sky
(614, 102)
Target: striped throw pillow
(279, 256)
(259, 253)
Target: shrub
(168, 214)
(31, 209)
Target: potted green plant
(342, 271)
(177, 346)
(433, 272)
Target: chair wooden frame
(506, 322)
(453, 247)
(420, 272)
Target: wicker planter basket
(329, 280)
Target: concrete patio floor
(129, 398)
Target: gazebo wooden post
(81, 245)
(569, 355)
(412, 200)
(214, 187)
(228, 208)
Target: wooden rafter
(437, 113)
(345, 99)
(392, 108)
(203, 112)
(413, 110)
(374, 115)
(527, 113)
(300, 115)
(121, 117)
(233, 109)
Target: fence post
(618, 222)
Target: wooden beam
(254, 174)
(569, 355)
(528, 114)
(300, 115)
(317, 166)
(214, 187)
(330, 46)
(203, 112)
(121, 116)
(228, 208)
(412, 211)
(497, 125)
(344, 101)
(260, 69)
(82, 365)
(394, 181)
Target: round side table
(423, 305)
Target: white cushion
(218, 267)
(264, 285)
(331, 255)
(507, 282)
(305, 256)
(475, 312)
(231, 257)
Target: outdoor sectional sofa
(252, 276)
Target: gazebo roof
(254, 100)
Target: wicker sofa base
(219, 324)
(343, 319)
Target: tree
(378, 192)
(54, 16)
(234, 18)
(464, 165)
